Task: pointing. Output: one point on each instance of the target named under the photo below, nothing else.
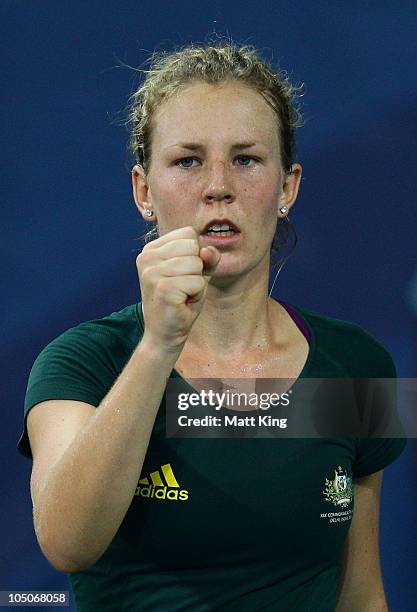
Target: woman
(145, 522)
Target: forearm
(365, 603)
(89, 490)
(365, 595)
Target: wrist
(154, 351)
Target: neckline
(308, 364)
(297, 320)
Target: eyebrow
(193, 146)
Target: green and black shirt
(235, 524)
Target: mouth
(220, 228)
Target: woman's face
(232, 170)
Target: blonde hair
(215, 64)
(170, 72)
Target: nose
(218, 184)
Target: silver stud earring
(148, 212)
(283, 210)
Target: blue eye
(179, 162)
(246, 157)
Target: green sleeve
(375, 453)
(78, 365)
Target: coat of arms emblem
(339, 490)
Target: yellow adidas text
(161, 493)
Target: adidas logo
(155, 487)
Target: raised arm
(87, 461)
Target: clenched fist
(174, 273)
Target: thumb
(211, 257)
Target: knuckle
(145, 258)
(162, 285)
(191, 231)
(146, 247)
(141, 258)
(148, 274)
(200, 264)
(195, 247)
(199, 283)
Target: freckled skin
(216, 117)
(187, 187)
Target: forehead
(215, 111)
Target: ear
(290, 187)
(141, 192)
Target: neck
(235, 319)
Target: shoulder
(82, 363)
(121, 323)
(118, 328)
(349, 344)
(98, 345)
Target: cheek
(262, 202)
(174, 200)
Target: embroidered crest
(339, 490)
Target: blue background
(70, 226)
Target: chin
(228, 273)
